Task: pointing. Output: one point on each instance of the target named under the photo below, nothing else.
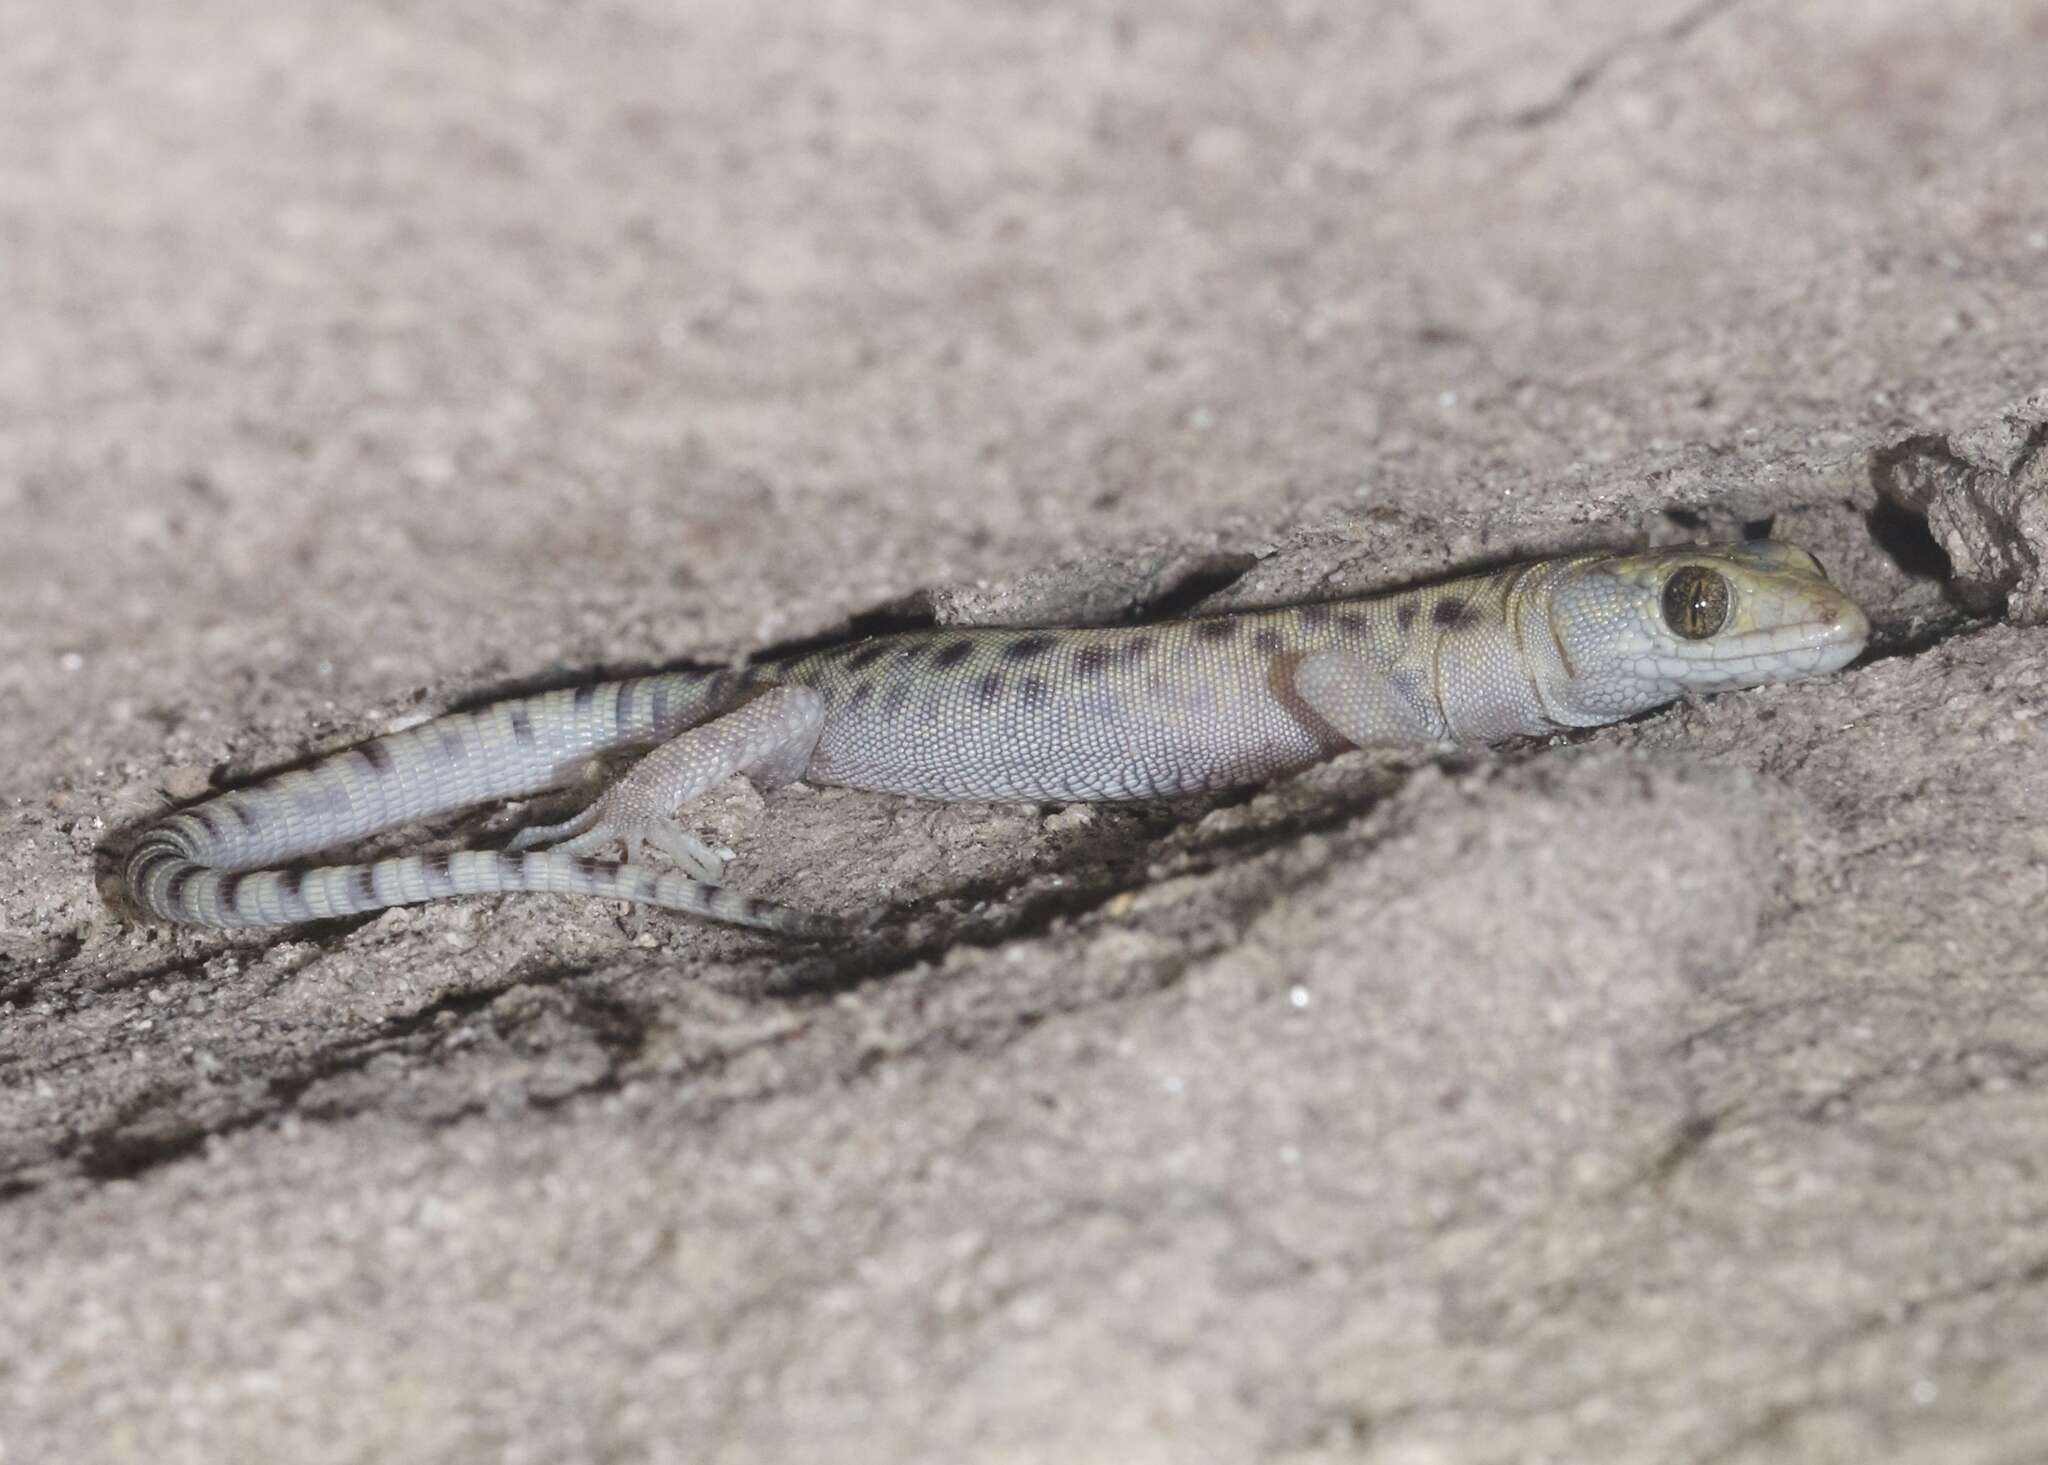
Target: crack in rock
(1984, 494)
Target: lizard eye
(1695, 602)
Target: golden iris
(1695, 602)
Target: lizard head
(1639, 630)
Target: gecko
(1000, 713)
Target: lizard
(1003, 713)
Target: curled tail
(168, 882)
(212, 864)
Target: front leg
(1368, 703)
(770, 737)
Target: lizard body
(997, 713)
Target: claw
(698, 859)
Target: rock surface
(1984, 494)
(1677, 1093)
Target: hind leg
(770, 738)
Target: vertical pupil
(1695, 603)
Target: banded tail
(215, 864)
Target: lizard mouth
(1834, 627)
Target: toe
(698, 859)
(597, 838)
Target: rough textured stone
(1674, 1093)
(1984, 495)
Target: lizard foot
(769, 738)
(599, 827)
